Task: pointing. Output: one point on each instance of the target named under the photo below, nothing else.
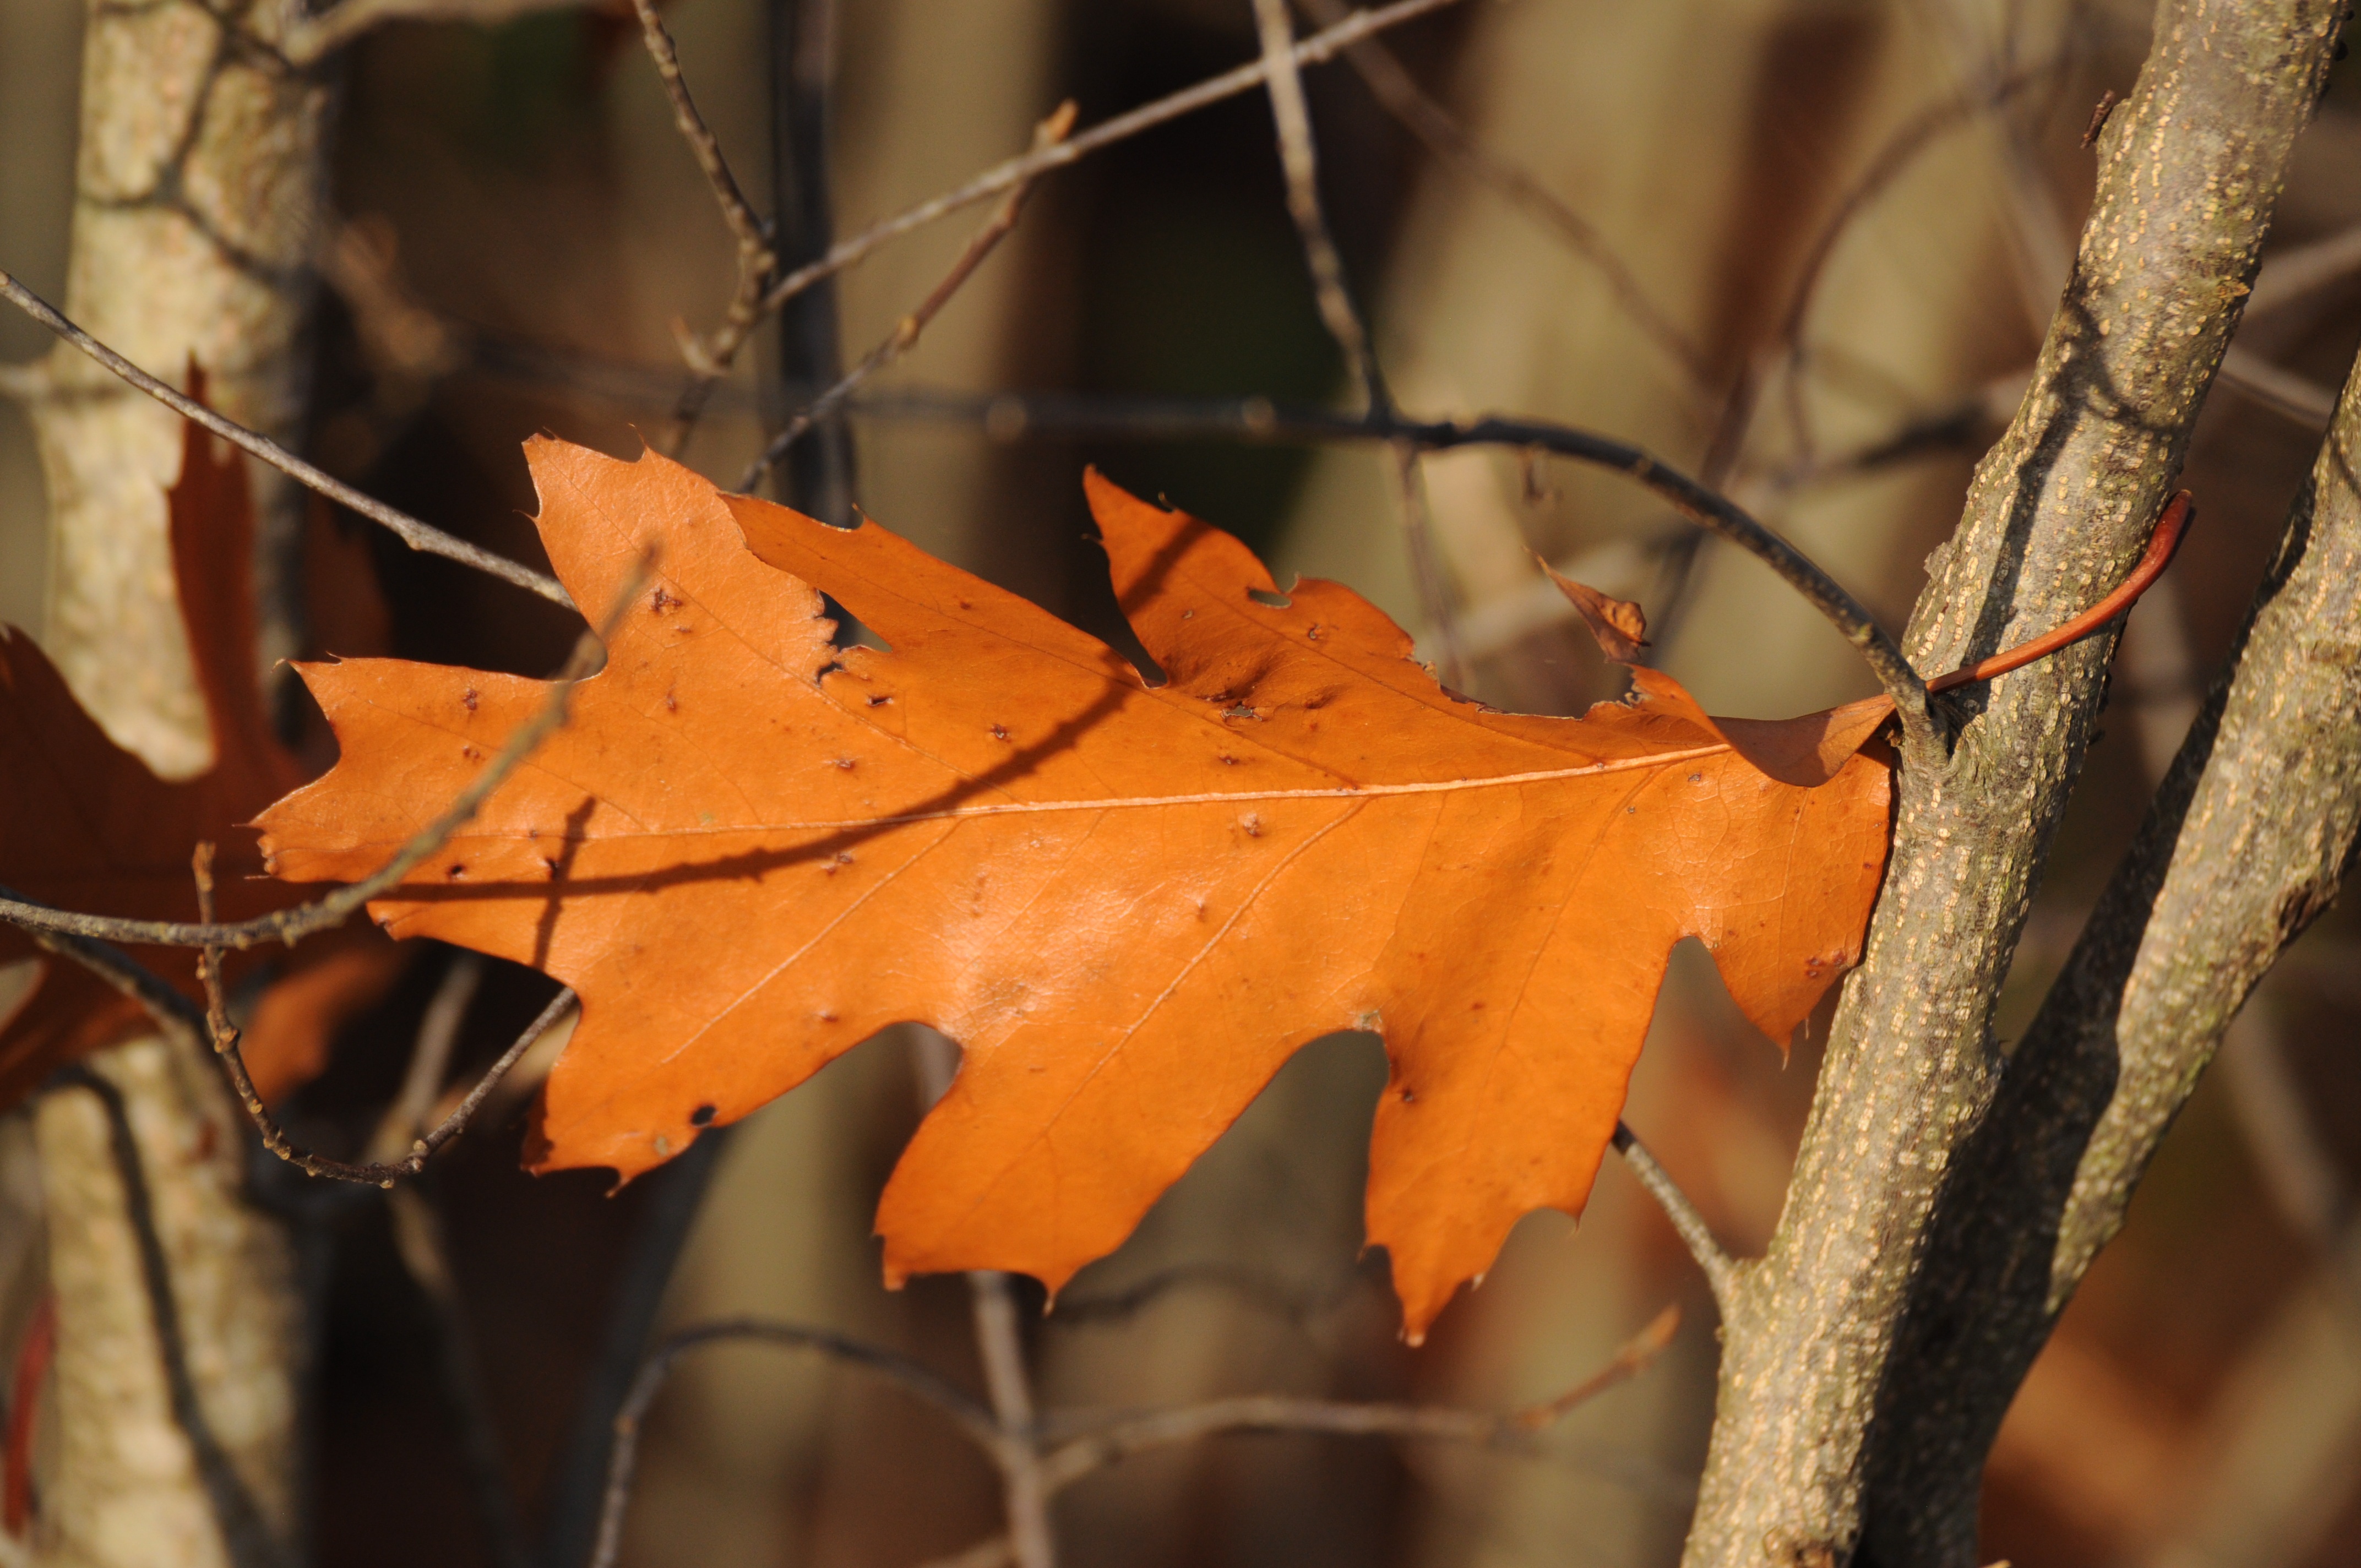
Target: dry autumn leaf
(84, 824)
(751, 849)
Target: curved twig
(1127, 1435)
(905, 1374)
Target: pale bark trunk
(198, 188)
(2191, 165)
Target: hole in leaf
(701, 1118)
(1263, 596)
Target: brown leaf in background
(84, 825)
(751, 849)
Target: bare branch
(756, 259)
(412, 532)
(2299, 398)
(1400, 95)
(899, 1370)
(753, 235)
(1320, 48)
(2292, 276)
(310, 39)
(1720, 1269)
(1270, 1412)
(174, 1016)
(904, 335)
(1000, 1346)
(1299, 162)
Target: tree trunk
(2246, 843)
(2191, 165)
(198, 192)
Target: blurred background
(1805, 248)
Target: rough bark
(198, 185)
(198, 188)
(2190, 166)
(136, 1485)
(2247, 842)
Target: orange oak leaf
(751, 849)
(84, 825)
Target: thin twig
(313, 38)
(1720, 1269)
(1400, 95)
(577, 1489)
(1000, 1343)
(246, 1534)
(174, 1014)
(752, 234)
(756, 259)
(429, 1056)
(419, 1243)
(1317, 49)
(292, 925)
(1269, 1412)
(1000, 1346)
(904, 335)
(1300, 162)
(905, 1374)
(1900, 151)
(374, 1173)
(408, 530)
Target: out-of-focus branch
(1902, 149)
(408, 530)
(418, 1241)
(1015, 1447)
(1399, 93)
(1321, 46)
(817, 477)
(310, 39)
(1129, 1435)
(904, 335)
(905, 1374)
